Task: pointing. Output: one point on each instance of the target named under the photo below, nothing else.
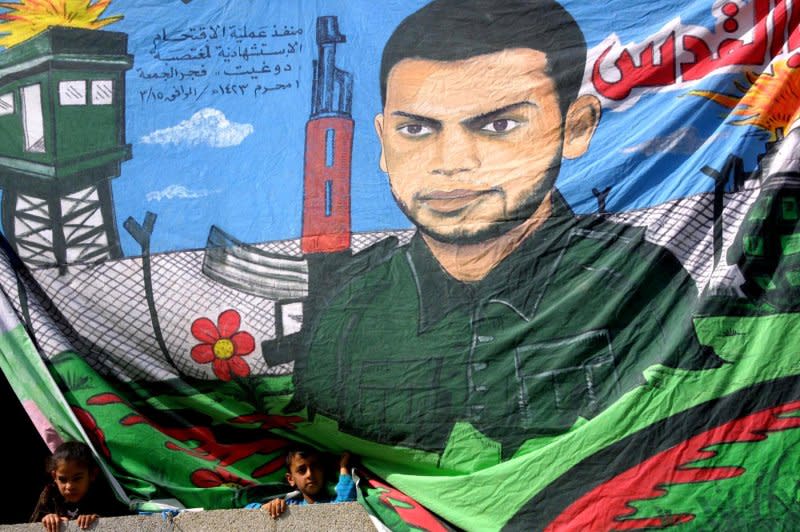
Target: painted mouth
(450, 201)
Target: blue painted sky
(250, 184)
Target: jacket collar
(517, 282)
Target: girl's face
(72, 479)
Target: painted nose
(456, 153)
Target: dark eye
(501, 125)
(414, 130)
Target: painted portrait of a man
(505, 311)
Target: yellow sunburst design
(770, 101)
(28, 18)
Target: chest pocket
(403, 401)
(560, 379)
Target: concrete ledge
(344, 517)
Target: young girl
(72, 493)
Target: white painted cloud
(177, 192)
(684, 141)
(207, 126)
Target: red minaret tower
(329, 146)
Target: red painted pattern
(93, 430)
(207, 446)
(607, 507)
(208, 478)
(416, 516)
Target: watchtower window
(102, 92)
(330, 146)
(7, 104)
(328, 197)
(72, 92)
(32, 118)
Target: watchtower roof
(66, 45)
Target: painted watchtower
(62, 140)
(329, 145)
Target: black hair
(452, 30)
(303, 451)
(71, 451)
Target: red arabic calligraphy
(688, 57)
(637, 76)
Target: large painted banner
(537, 263)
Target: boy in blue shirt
(306, 472)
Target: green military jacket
(560, 329)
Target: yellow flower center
(223, 348)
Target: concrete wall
(345, 517)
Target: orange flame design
(770, 101)
(28, 18)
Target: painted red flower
(224, 345)
(207, 478)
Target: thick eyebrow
(482, 119)
(431, 122)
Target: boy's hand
(84, 521)
(344, 463)
(275, 507)
(52, 522)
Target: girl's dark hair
(71, 451)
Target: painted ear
(379, 131)
(290, 480)
(580, 124)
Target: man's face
(471, 146)
(307, 474)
